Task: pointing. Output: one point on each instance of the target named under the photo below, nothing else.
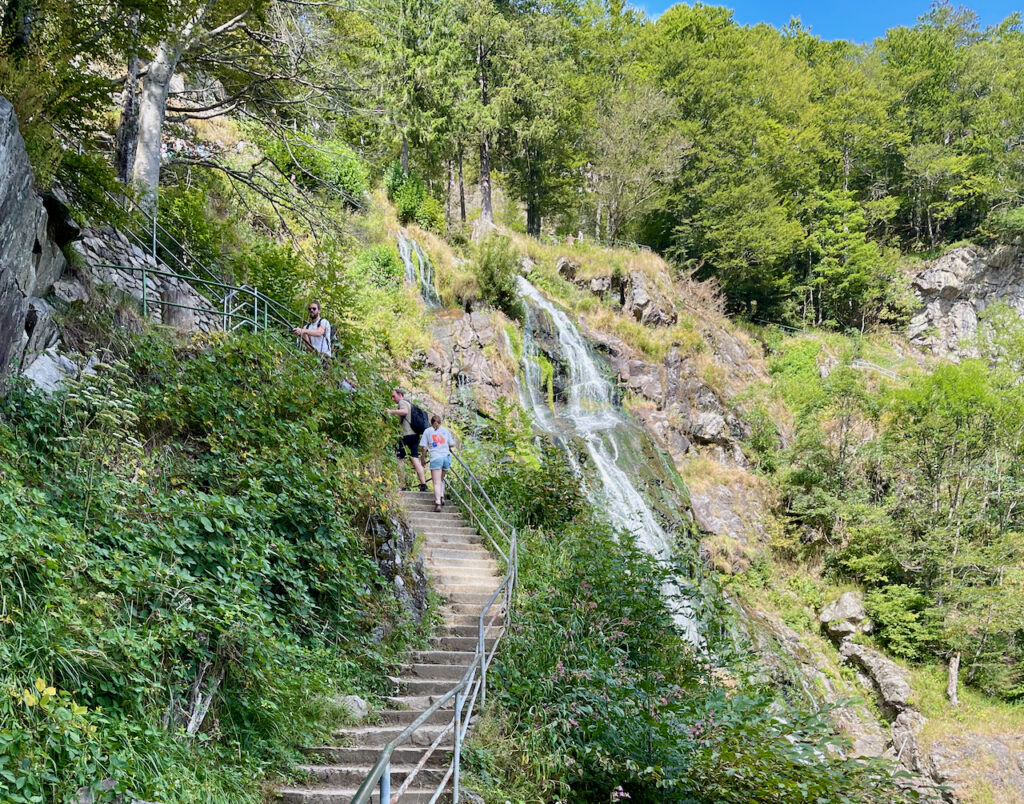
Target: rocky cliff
(956, 289)
(30, 256)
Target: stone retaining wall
(103, 247)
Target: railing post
(385, 784)
(483, 663)
(255, 310)
(145, 310)
(458, 748)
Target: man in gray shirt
(316, 335)
(409, 443)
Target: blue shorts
(444, 462)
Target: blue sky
(861, 21)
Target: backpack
(418, 419)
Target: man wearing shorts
(409, 443)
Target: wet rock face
(472, 358)
(687, 412)
(954, 291)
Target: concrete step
(419, 702)
(480, 560)
(460, 658)
(403, 717)
(478, 598)
(459, 643)
(449, 552)
(438, 672)
(343, 795)
(356, 756)
(420, 686)
(472, 630)
(463, 582)
(342, 776)
(449, 541)
(379, 736)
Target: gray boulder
(49, 370)
(886, 676)
(566, 268)
(356, 707)
(644, 302)
(845, 616)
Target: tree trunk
(533, 218)
(486, 212)
(462, 190)
(448, 194)
(127, 138)
(405, 154)
(152, 110)
(597, 223)
(953, 682)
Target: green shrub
(906, 624)
(230, 546)
(495, 265)
(328, 166)
(381, 266)
(430, 215)
(411, 200)
(408, 198)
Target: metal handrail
(473, 684)
(250, 298)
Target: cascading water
(615, 444)
(418, 269)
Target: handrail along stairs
(469, 493)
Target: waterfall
(418, 269)
(611, 437)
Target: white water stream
(418, 269)
(593, 416)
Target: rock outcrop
(646, 303)
(994, 763)
(30, 260)
(956, 289)
(471, 356)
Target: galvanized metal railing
(240, 305)
(471, 496)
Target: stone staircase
(465, 575)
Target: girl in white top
(439, 441)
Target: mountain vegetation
(189, 533)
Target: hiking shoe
(423, 486)
(437, 508)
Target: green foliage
(412, 201)
(596, 697)
(495, 264)
(327, 166)
(381, 266)
(912, 491)
(224, 557)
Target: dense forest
(792, 169)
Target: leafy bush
(328, 166)
(224, 557)
(381, 266)
(495, 264)
(411, 200)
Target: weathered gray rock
(356, 707)
(956, 289)
(566, 268)
(644, 302)
(471, 357)
(40, 329)
(886, 676)
(975, 763)
(845, 616)
(70, 289)
(733, 510)
(49, 370)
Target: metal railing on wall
(241, 306)
(471, 690)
